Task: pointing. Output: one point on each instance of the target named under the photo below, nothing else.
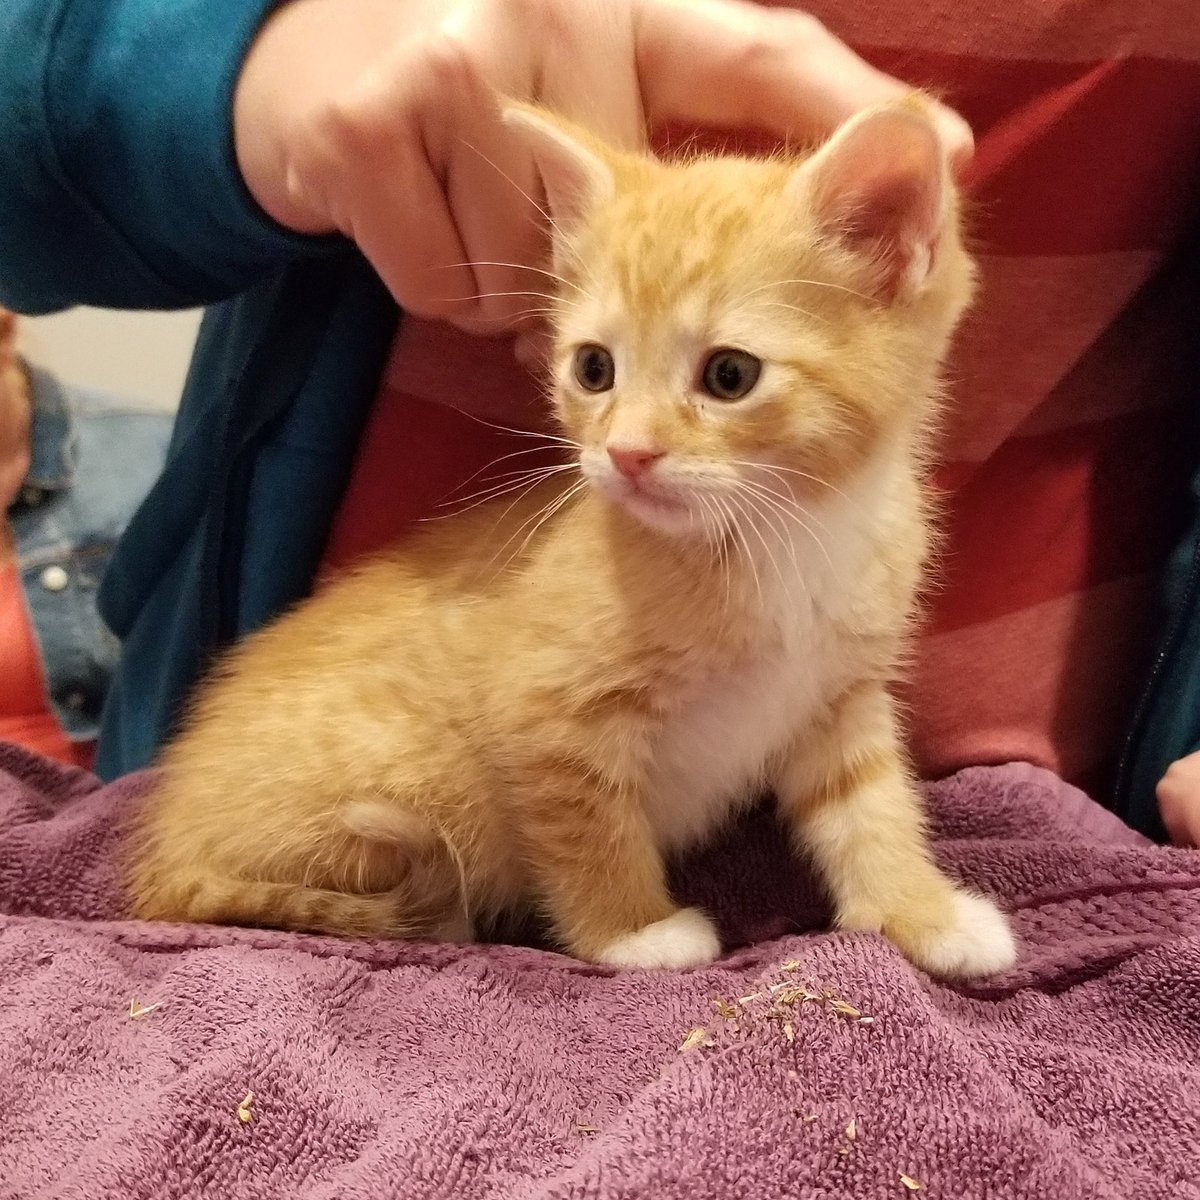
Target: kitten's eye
(594, 368)
(730, 374)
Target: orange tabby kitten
(745, 359)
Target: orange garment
(25, 715)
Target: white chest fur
(713, 753)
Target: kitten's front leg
(601, 878)
(846, 793)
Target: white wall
(140, 355)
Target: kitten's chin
(666, 516)
(661, 513)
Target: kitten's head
(727, 327)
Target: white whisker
(495, 463)
(527, 481)
(734, 501)
(727, 548)
(553, 508)
(792, 512)
(541, 313)
(500, 484)
(540, 516)
(788, 500)
(756, 511)
(517, 187)
(525, 490)
(776, 513)
(775, 469)
(720, 548)
(804, 312)
(818, 283)
(530, 433)
(489, 296)
(483, 262)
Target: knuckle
(338, 121)
(775, 36)
(348, 121)
(450, 62)
(802, 29)
(554, 28)
(536, 14)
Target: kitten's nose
(634, 461)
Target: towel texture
(415, 1071)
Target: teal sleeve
(120, 186)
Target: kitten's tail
(377, 821)
(206, 896)
(426, 902)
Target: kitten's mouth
(639, 495)
(668, 513)
(647, 499)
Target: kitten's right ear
(574, 174)
(881, 187)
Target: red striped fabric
(1067, 444)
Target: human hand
(377, 118)
(1178, 795)
(15, 415)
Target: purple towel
(813, 1065)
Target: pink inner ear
(879, 185)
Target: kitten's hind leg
(846, 793)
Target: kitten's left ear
(880, 186)
(574, 174)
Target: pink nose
(634, 461)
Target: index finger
(729, 63)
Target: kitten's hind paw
(974, 940)
(684, 939)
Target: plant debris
(243, 1109)
(793, 995)
(784, 996)
(844, 1009)
(582, 1127)
(696, 1037)
(909, 1182)
(787, 993)
(850, 1133)
(138, 1009)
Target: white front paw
(684, 939)
(975, 940)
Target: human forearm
(121, 185)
